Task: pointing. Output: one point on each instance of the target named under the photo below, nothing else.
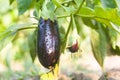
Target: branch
(80, 6)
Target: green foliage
(110, 15)
(11, 1)
(99, 44)
(101, 16)
(32, 38)
(109, 4)
(64, 41)
(7, 35)
(23, 5)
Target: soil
(113, 74)
(85, 68)
(92, 70)
(88, 69)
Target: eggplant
(48, 43)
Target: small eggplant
(48, 43)
(74, 48)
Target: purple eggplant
(48, 43)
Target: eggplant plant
(55, 22)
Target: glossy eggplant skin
(48, 43)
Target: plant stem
(63, 16)
(26, 28)
(80, 6)
(66, 36)
(69, 27)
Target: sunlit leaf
(69, 9)
(109, 15)
(86, 12)
(113, 37)
(50, 6)
(7, 61)
(21, 46)
(96, 2)
(39, 4)
(47, 11)
(78, 2)
(61, 13)
(7, 35)
(73, 22)
(101, 15)
(5, 39)
(56, 3)
(79, 27)
(99, 44)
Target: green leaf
(38, 7)
(77, 25)
(5, 39)
(20, 53)
(78, 2)
(32, 44)
(62, 33)
(96, 2)
(11, 1)
(70, 9)
(101, 15)
(108, 3)
(57, 3)
(99, 45)
(46, 13)
(16, 27)
(50, 6)
(7, 35)
(8, 61)
(39, 4)
(109, 15)
(80, 27)
(74, 23)
(89, 22)
(113, 36)
(90, 3)
(23, 5)
(61, 13)
(36, 14)
(86, 12)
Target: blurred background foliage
(92, 22)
